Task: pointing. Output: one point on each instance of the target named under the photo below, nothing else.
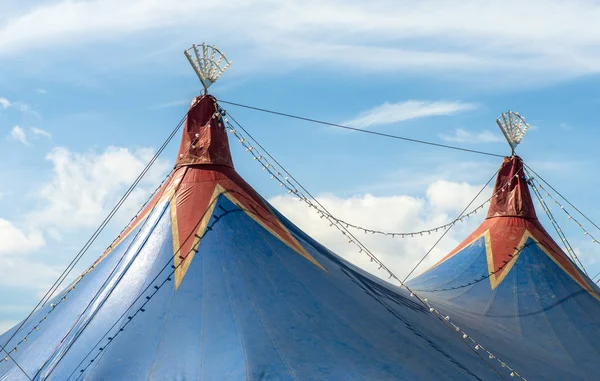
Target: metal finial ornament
(513, 127)
(209, 64)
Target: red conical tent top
(512, 198)
(204, 171)
(510, 222)
(204, 140)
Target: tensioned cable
(447, 230)
(72, 288)
(559, 232)
(151, 284)
(108, 279)
(99, 230)
(16, 363)
(361, 130)
(163, 187)
(561, 196)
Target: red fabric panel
(515, 201)
(211, 146)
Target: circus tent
(517, 290)
(210, 282)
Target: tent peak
(204, 139)
(511, 192)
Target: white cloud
(38, 276)
(443, 202)
(14, 240)
(18, 134)
(41, 91)
(454, 196)
(389, 113)
(463, 136)
(24, 108)
(40, 132)
(373, 36)
(5, 103)
(85, 186)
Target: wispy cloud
(24, 108)
(463, 136)
(396, 36)
(40, 132)
(5, 103)
(389, 113)
(15, 240)
(41, 91)
(18, 134)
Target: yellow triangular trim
(181, 269)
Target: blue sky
(90, 89)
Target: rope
(569, 216)
(95, 235)
(101, 288)
(87, 271)
(447, 230)
(361, 130)
(16, 363)
(561, 235)
(151, 284)
(561, 196)
(108, 278)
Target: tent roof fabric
(210, 282)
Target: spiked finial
(513, 127)
(209, 64)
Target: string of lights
(569, 215)
(92, 300)
(459, 216)
(154, 287)
(420, 233)
(108, 278)
(50, 293)
(559, 231)
(276, 171)
(53, 306)
(483, 277)
(63, 276)
(537, 176)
